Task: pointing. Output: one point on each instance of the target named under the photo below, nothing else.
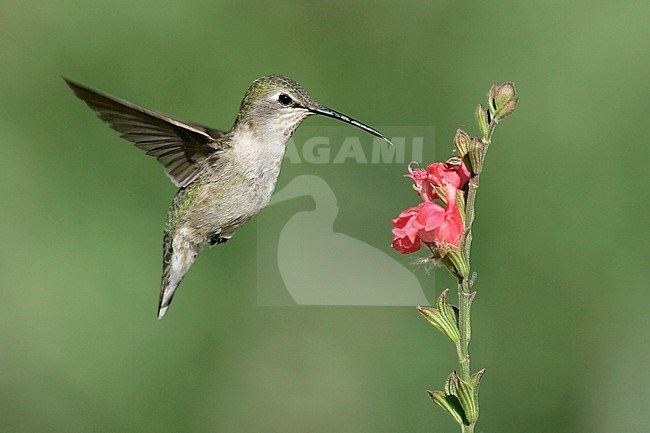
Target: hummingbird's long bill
(320, 109)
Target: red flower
(429, 222)
(405, 232)
(450, 230)
(422, 183)
(451, 172)
(430, 216)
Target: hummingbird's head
(276, 104)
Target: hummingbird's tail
(178, 255)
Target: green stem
(467, 428)
(470, 214)
(465, 328)
(465, 297)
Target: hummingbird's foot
(215, 239)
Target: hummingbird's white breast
(260, 151)
(244, 180)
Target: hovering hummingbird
(225, 177)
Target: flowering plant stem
(447, 233)
(465, 297)
(501, 103)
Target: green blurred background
(560, 320)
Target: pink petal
(430, 216)
(450, 231)
(405, 246)
(422, 183)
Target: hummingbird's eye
(285, 99)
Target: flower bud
(506, 110)
(461, 141)
(501, 101)
(476, 154)
(482, 119)
(499, 97)
(503, 94)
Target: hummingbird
(224, 177)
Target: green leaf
(475, 379)
(436, 319)
(468, 398)
(460, 202)
(455, 261)
(482, 120)
(448, 311)
(444, 317)
(450, 404)
(450, 384)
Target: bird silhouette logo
(321, 267)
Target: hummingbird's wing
(181, 147)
